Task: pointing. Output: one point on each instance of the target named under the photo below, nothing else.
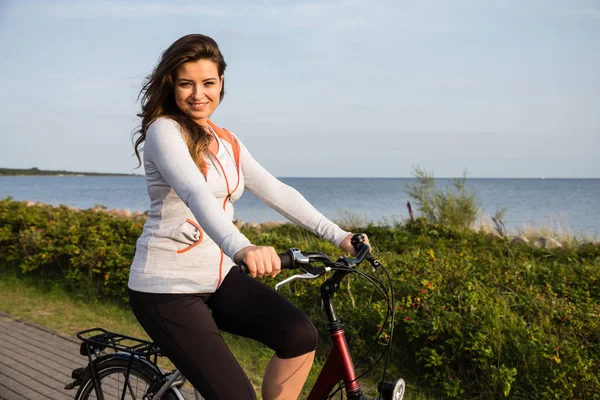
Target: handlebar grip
(358, 242)
(287, 262)
(243, 267)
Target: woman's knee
(300, 337)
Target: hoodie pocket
(189, 233)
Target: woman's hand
(261, 260)
(346, 245)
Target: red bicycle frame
(338, 366)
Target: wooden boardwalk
(36, 363)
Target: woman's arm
(289, 202)
(167, 150)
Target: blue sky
(317, 88)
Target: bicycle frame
(339, 365)
(169, 385)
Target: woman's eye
(209, 83)
(185, 84)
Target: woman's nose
(197, 92)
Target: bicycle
(132, 368)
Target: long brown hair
(158, 99)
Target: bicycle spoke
(128, 382)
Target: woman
(183, 289)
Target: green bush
(88, 252)
(455, 206)
(476, 316)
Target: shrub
(88, 252)
(455, 206)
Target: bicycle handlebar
(293, 258)
(287, 262)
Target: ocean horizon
(561, 205)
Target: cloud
(316, 13)
(584, 12)
(328, 15)
(578, 8)
(334, 15)
(291, 14)
(118, 9)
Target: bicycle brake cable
(384, 323)
(379, 285)
(386, 351)
(387, 358)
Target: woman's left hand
(346, 245)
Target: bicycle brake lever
(308, 275)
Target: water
(564, 205)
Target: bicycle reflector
(392, 391)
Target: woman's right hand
(261, 260)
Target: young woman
(183, 289)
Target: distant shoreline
(41, 172)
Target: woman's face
(197, 89)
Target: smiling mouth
(198, 106)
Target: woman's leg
(184, 329)
(246, 307)
(285, 377)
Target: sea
(559, 206)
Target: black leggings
(186, 327)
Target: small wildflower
(408, 318)
(431, 254)
(555, 359)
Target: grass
(56, 310)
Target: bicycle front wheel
(112, 375)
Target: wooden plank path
(36, 363)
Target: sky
(340, 88)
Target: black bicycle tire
(118, 365)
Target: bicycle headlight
(392, 391)
(398, 392)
